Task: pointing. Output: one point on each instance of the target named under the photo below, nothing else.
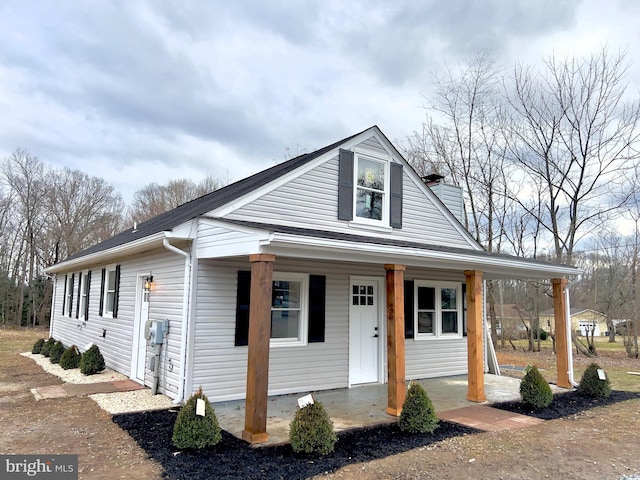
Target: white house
(336, 268)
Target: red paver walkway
(488, 419)
(79, 389)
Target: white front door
(364, 334)
(139, 353)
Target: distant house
(337, 268)
(511, 320)
(583, 321)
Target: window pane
(111, 281)
(355, 299)
(369, 204)
(370, 290)
(110, 301)
(355, 289)
(371, 174)
(449, 322)
(426, 298)
(449, 298)
(284, 324)
(286, 295)
(425, 322)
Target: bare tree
(154, 199)
(575, 134)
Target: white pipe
(185, 316)
(568, 327)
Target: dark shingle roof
(208, 202)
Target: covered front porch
(365, 405)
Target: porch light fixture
(148, 283)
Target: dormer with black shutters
(370, 189)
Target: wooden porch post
(560, 320)
(395, 339)
(475, 362)
(255, 419)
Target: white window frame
(437, 327)
(386, 194)
(303, 318)
(69, 295)
(83, 294)
(109, 269)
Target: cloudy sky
(142, 91)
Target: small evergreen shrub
(92, 361)
(37, 347)
(591, 385)
(311, 430)
(70, 358)
(535, 390)
(418, 414)
(194, 431)
(46, 348)
(56, 352)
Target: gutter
(568, 328)
(185, 316)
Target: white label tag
(601, 374)
(200, 407)
(304, 401)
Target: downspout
(568, 328)
(185, 315)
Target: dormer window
(371, 188)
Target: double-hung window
(371, 189)
(83, 307)
(110, 286)
(289, 309)
(438, 309)
(69, 294)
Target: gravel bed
(73, 375)
(135, 401)
(114, 403)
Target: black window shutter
(317, 295)
(86, 300)
(79, 295)
(64, 294)
(243, 297)
(395, 216)
(464, 309)
(345, 185)
(408, 309)
(116, 293)
(101, 306)
(73, 277)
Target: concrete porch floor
(365, 405)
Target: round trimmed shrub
(591, 385)
(92, 361)
(193, 431)
(46, 348)
(37, 347)
(418, 414)
(56, 352)
(311, 430)
(70, 358)
(535, 390)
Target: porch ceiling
(288, 241)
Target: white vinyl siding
(311, 201)
(116, 344)
(221, 368)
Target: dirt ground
(602, 443)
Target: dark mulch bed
(566, 404)
(234, 458)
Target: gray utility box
(156, 333)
